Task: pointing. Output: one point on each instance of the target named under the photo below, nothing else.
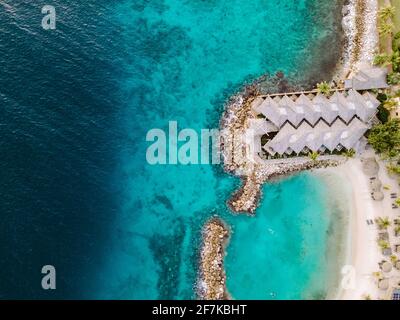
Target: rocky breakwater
(212, 281)
(246, 199)
(360, 28)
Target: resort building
(297, 124)
(367, 78)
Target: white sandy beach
(363, 254)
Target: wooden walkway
(297, 93)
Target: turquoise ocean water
(76, 191)
(184, 59)
(295, 246)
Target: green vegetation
(264, 139)
(385, 59)
(383, 244)
(390, 104)
(324, 88)
(390, 43)
(314, 156)
(382, 59)
(383, 223)
(386, 13)
(395, 60)
(385, 28)
(378, 275)
(393, 78)
(350, 153)
(385, 139)
(383, 114)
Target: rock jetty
(212, 279)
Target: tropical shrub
(382, 59)
(386, 13)
(393, 78)
(385, 28)
(390, 104)
(314, 156)
(385, 138)
(383, 244)
(324, 88)
(383, 114)
(383, 223)
(350, 153)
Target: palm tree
(390, 104)
(393, 259)
(385, 28)
(387, 13)
(395, 60)
(378, 275)
(313, 156)
(383, 244)
(383, 223)
(393, 78)
(324, 88)
(350, 153)
(393, 169)
(382, 59)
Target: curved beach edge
(362, 256)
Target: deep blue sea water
(76, 104)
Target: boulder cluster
(246, 199)
(212, 282)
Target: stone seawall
(246, 199)
(212, 280)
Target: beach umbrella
(384, 284)
(386, 266)
(383, 236)
(378, 196)
(370, 167)
(376, 185)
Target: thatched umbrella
(376, 185)
(386, 266)
(398, 265)
(383, 284)
(370, 167)
(378, 196)
(383, 236)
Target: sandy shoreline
(362, 253)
